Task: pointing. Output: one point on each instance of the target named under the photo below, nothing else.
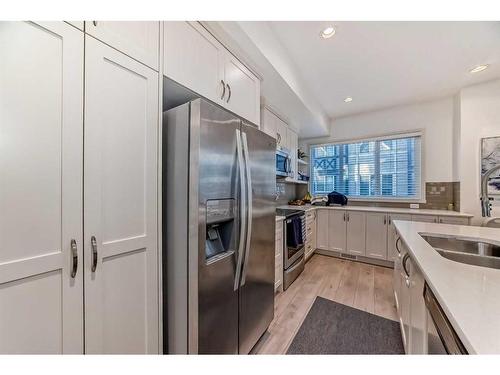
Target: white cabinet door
(121, 125)
(194, 58)
(404, 298)
(425, 218)
(337, 220)
(281, 136)
(392, 235)
(242, 90)
(356, 233)
(454, 220)
(268, 123)
(41, 126)
(137, 39)
(418, 312)
(376, 235)
(278, 262)
(322, 229)
(293, 145)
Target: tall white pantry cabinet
(78, 191)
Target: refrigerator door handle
(243, 209)
(249, 207)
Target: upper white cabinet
(281, 134)
(41, 127)
(242, 90)
(137, 39)
(121, 126)
(194, 58)
(198, 61)
(376, 235)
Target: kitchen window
(385, 168)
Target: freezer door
(257, 282)
(213, 132)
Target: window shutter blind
(381, 168)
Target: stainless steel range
(294, 236)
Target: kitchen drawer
(454, 220)
(309, 248)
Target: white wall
(480, 117)
(435, 118)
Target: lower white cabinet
(336, 230)
(355, 233)
(138, 39)
(425, 218)
(41, 136)
(310, 244)
(418, 312)
(322, 229)
(408, 284)
(376, 235)
(392, 252)
(278, 262)
(454, 220)
(120, 265)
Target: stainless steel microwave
(283, 164)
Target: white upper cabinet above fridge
(137, 39)
(193, 58)
(242, 89)
(198, 61)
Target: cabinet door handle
(344, 216)
(93, 244)
(223, 89)
(94, 23)
(348, 216)
(405, 259)
(229, 90)
(397, 247)
(385, 220)
(389, 220)
(74, 259)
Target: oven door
(283, 164)
(293, 250)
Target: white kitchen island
(469, 295)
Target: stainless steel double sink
(478, 253)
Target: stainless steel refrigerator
(218, 230)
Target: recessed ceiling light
(348, 99)
(327, 32)
(479, 68)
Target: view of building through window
(382, 168)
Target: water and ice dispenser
(220, 228)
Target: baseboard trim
(356, 258)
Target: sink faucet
(485, 200)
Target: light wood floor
(362, 286)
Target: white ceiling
(384, 64)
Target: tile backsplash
(438, 196)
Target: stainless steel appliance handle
(74, 258)
(445, 331)
(405, 258)
(249, 206)
(243, 209)
(93, 245)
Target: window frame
(389, 136)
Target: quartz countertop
(468, 294)
(412, 211)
